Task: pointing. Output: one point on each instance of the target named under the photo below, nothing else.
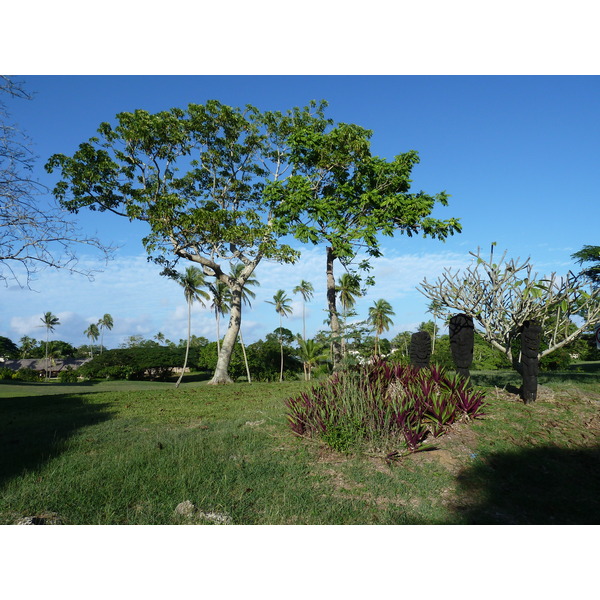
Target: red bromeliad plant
(379, 404)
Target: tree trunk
(187, 347)
(46, 355)
(331, 307)
(304, 320)
(218, 332)
(245, 357)
(226, 348)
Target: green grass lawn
(131, 452)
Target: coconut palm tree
(306, 289)
(348, 288)
(49, 321)
(27, 345)
(435, 308)
(221, 296)
(246, 295)
(106, 322)
(191, 282)
(311, 353)
(283, 309)
(93, 333)
(379, 318)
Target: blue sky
(519, 156)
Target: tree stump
(531, 335)
(420, 349)
(462, 342)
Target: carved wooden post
(420, 349)
(531, 336)
(462, 341)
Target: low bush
(381, 405)
(69, 375)
(27, 375)
(6, 373)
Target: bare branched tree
(502, 296)
(34, 232)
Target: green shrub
(6, 373)
(382, 405)
(27, 375)
(68, 375)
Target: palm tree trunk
(47, 354)
(281, 344)
(304, 320)
(245, 358)
(187, 347)
(331, 307)
(218, 334)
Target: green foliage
(383, 406)
(26, 375)
(589, 254)
(6, 373)
(8, 349)
(68, 375)
(143, 362)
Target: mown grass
(129, 453)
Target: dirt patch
(452, 450)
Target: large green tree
(342, 196)
(198, 178)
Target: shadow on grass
(34, 429)
(538, 486)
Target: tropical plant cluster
(380, 406)
(23, 374)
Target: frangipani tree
(501, 296)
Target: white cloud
(142, 302)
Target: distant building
(55, 365)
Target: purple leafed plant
(380, 404)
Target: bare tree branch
(33, 234)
